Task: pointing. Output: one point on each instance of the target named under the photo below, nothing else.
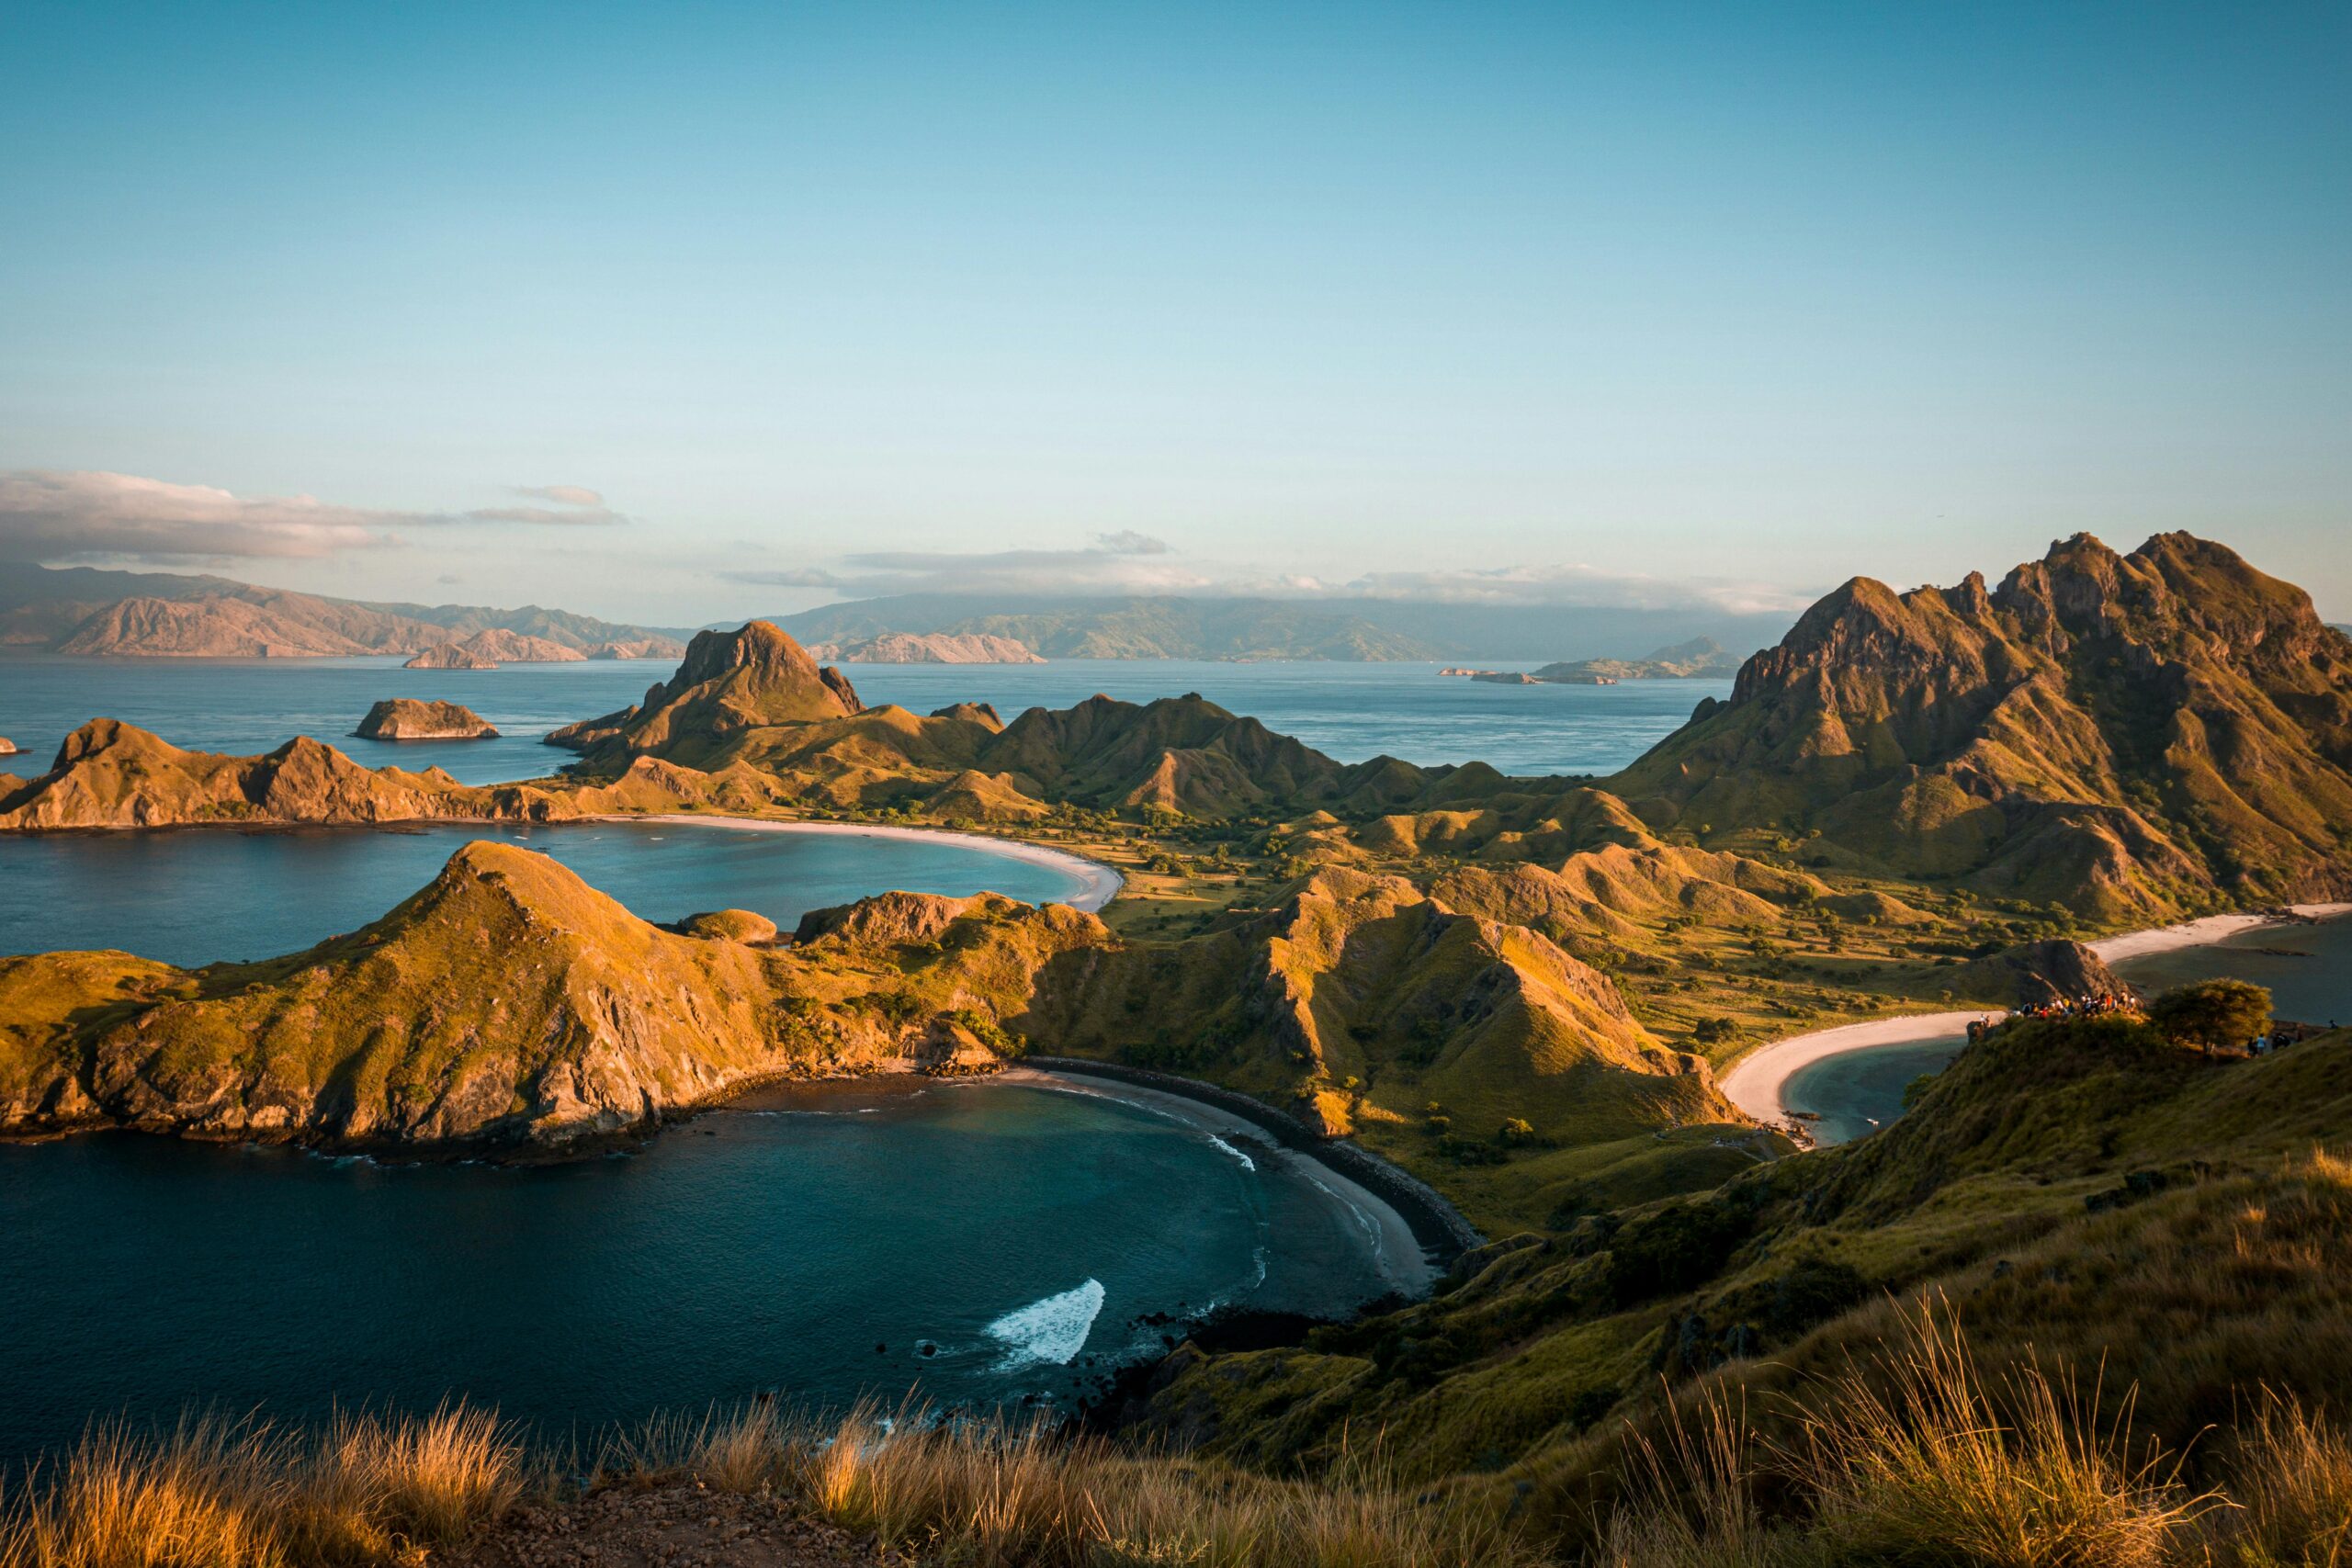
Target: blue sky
(1579, 302)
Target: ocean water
(1350, 711)
(2308, 969)
(985, 1244)
(1855, 1094)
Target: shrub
(2212, 1013)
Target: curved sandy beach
(1755, 1082)
(1100, 884)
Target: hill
(930, 647)
(1685, 660)
(406, 719)
(88, 612)
(490, 649)
(2140, 734)
(2081, 1190)
(507, 1002)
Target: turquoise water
(194, 895)
(1351, 711)
(815, 1243)
(2307, 968)
(1857, 1093)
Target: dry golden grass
(218, 1494)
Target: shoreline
(1756, 1081)
(1099, 883)
(1438, 1229)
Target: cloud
(794, 577)
(575, 506)
(47, 515)
(52, 516)
(1131, 563)
(1567, 586)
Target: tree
(2211, 1012)
(1714, 1031)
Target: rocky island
(7, 747)
(407, 718)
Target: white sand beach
(1101, 883)
(1755, 1082)
(2197, 934)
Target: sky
(675, 313)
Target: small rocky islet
(411, 718)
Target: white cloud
(789, 577)
(51, 515)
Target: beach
(1102, 884)
(1755, 1083)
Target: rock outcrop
(2127, 734)
(112, 774)
(490, 649)
(407, 718)
(729, 682)
(7, 747)
(930, 647)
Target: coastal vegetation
(2086, 1302)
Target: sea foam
(1054, 1329)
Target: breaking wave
(1053, 1330)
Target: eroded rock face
(2123, 734)
(407, 718)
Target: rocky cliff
(2122, 734)
(729, 682)
(406, 719)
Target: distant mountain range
(1232, 628)
(85, 611)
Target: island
(1700, 657)
(490, 649)
(7, 747)
(929, 648)
(408, 718)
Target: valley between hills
(1522, 991)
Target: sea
(1351, 712)
(980, 1245)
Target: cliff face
(406, 719)
(2120, 733)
